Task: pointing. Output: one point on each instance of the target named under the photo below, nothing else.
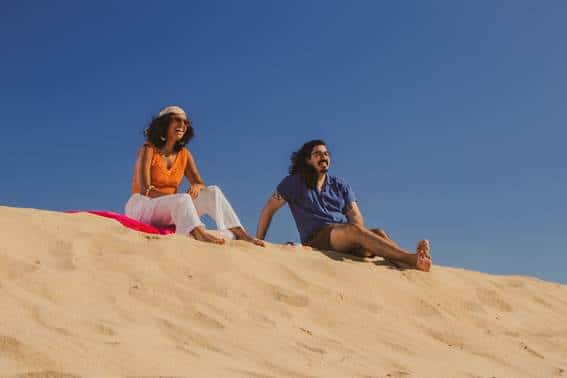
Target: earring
(163, 139)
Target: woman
(160, 166)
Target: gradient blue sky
(447, 118)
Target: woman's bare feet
(241, 234)
(423, 256)
(200, 234)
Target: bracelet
(148, 190)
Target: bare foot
(423, 256)
(423, 262)
(423, 246)
(241, 234)
(200, 234)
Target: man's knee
(351, 239)
(352, 232)
(380, 232)
(353, 228)
(345, 237)
(359, 229)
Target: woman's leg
(212, 202)
(177, 209)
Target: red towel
(129, 222)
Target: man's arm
(275, 202)
(354, 215)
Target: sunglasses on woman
(180, 120)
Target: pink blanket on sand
(129, 222)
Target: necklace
(166, 155)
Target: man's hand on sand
(259, 242)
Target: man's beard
(310, 174)
(324, 169)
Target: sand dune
(83, 296)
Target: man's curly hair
(299, 163)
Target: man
(326, 214)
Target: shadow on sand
(379, 261)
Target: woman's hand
(195, 189)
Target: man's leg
(379, 232)
(347, 238)
(422, 245)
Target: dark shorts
(322, 238)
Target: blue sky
(447, 118)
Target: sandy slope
(80, 295)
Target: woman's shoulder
(146, 150)
(147, 146)
(184, 151)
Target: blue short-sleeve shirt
(313, 210)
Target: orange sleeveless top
(165, 180)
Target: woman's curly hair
(156, 132)
(299, 163)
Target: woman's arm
(143, 173)
(193, 176)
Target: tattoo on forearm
(277, 196)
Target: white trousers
(183, 211)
